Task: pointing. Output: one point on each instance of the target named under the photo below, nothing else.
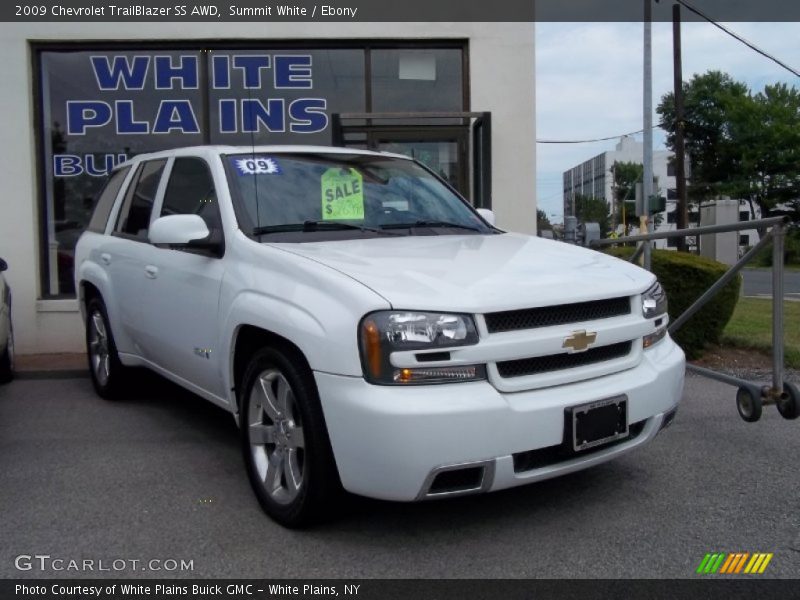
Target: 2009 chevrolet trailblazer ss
(369, 329)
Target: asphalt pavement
(158, 476)
(758, 282)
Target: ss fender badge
(579, 341)
(203, 352)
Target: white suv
(369, 329)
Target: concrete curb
(53, 374)
(50, 366)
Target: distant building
(595, 178)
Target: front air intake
(457, 480)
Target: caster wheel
(789, 407)
(749, 405)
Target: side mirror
(179, 230)
(3, 265)
(487, 215)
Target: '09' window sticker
(256, 165)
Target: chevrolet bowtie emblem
(579, 341)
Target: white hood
(476, 273)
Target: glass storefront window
(282, 97)
(100, 106)
(417, 80)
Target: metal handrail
(662, 235)
(785, 394)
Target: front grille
(557, 362)
(544, 457)
(545, 316)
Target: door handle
(105, 258)
(151, 271)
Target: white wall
(502, 77)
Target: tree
(769, 134)
(542, 222)
(626, 176)
(740, 144)
(593, 210)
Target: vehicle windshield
(351, 194)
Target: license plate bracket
(597, 423)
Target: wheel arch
(249, 339)
(92, 283)
(87, 292)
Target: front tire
(285, 442)
(106, 370)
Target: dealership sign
(244, 112)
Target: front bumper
(390, 441)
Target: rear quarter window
(134, 215)
(105, 200)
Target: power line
(602, 139)
(736, 36)
(733, 34)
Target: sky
(589, 83)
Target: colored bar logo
(734, 563)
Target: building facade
(79, 98)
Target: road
(758, 282)
(159, 476)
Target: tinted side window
(105, 201)
(134, 218)
(190, 191)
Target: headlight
(654, 304)
(654, 301)
(382, 333)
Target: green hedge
(686, 277)
(791, 251)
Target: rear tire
(7, 357)
(285, 443)
(107, 372)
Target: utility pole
(647, 179)
(614, 207)
(682, 208)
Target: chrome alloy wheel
(98, 348)
(276, 436)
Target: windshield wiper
(312, 226)
(423, 223)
